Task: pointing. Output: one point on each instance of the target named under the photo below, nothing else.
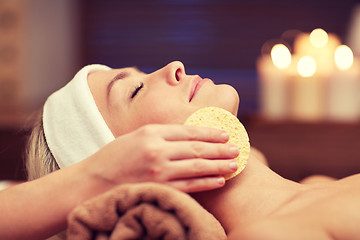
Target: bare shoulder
(350, 181)
(334, 205)
(325, 211)
(278, 229)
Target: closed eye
(137, 89)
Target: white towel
(74, 128)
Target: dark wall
(12, 152)
(216, 39)
(219, 34)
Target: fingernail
(221, 181)
(234, 151)
(224, 136)
(233, 165)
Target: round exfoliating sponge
(219, 118)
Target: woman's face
(128, 98)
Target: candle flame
(281, 56)
(306, 66)
(344, 57)
(319, 38)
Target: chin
(227, 98)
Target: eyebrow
(121, 75)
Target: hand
(185, 157)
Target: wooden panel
(12, 27)
(296, 150)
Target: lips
(197, 83)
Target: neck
(254, 194)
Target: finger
(198, 184)
(195, 149)
(177, 132)
(200, 168)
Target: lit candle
(344, 87)
(307, 92)
(321, 47)
(273, 72)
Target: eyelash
(137, 89)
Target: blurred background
(299, 121)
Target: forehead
(105, 75)
(100, 79)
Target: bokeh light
(319, 38)
(281, 56)
(306, 66)
(344, 57)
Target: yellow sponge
(219, 118)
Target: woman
(128, 158)
(255, 205)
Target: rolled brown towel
(143, 211)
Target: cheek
(162, 107)
(162, 112)
(153, 111)
(227, 98)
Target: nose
(174, 72)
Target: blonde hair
(39, 160)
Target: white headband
(74, 128)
